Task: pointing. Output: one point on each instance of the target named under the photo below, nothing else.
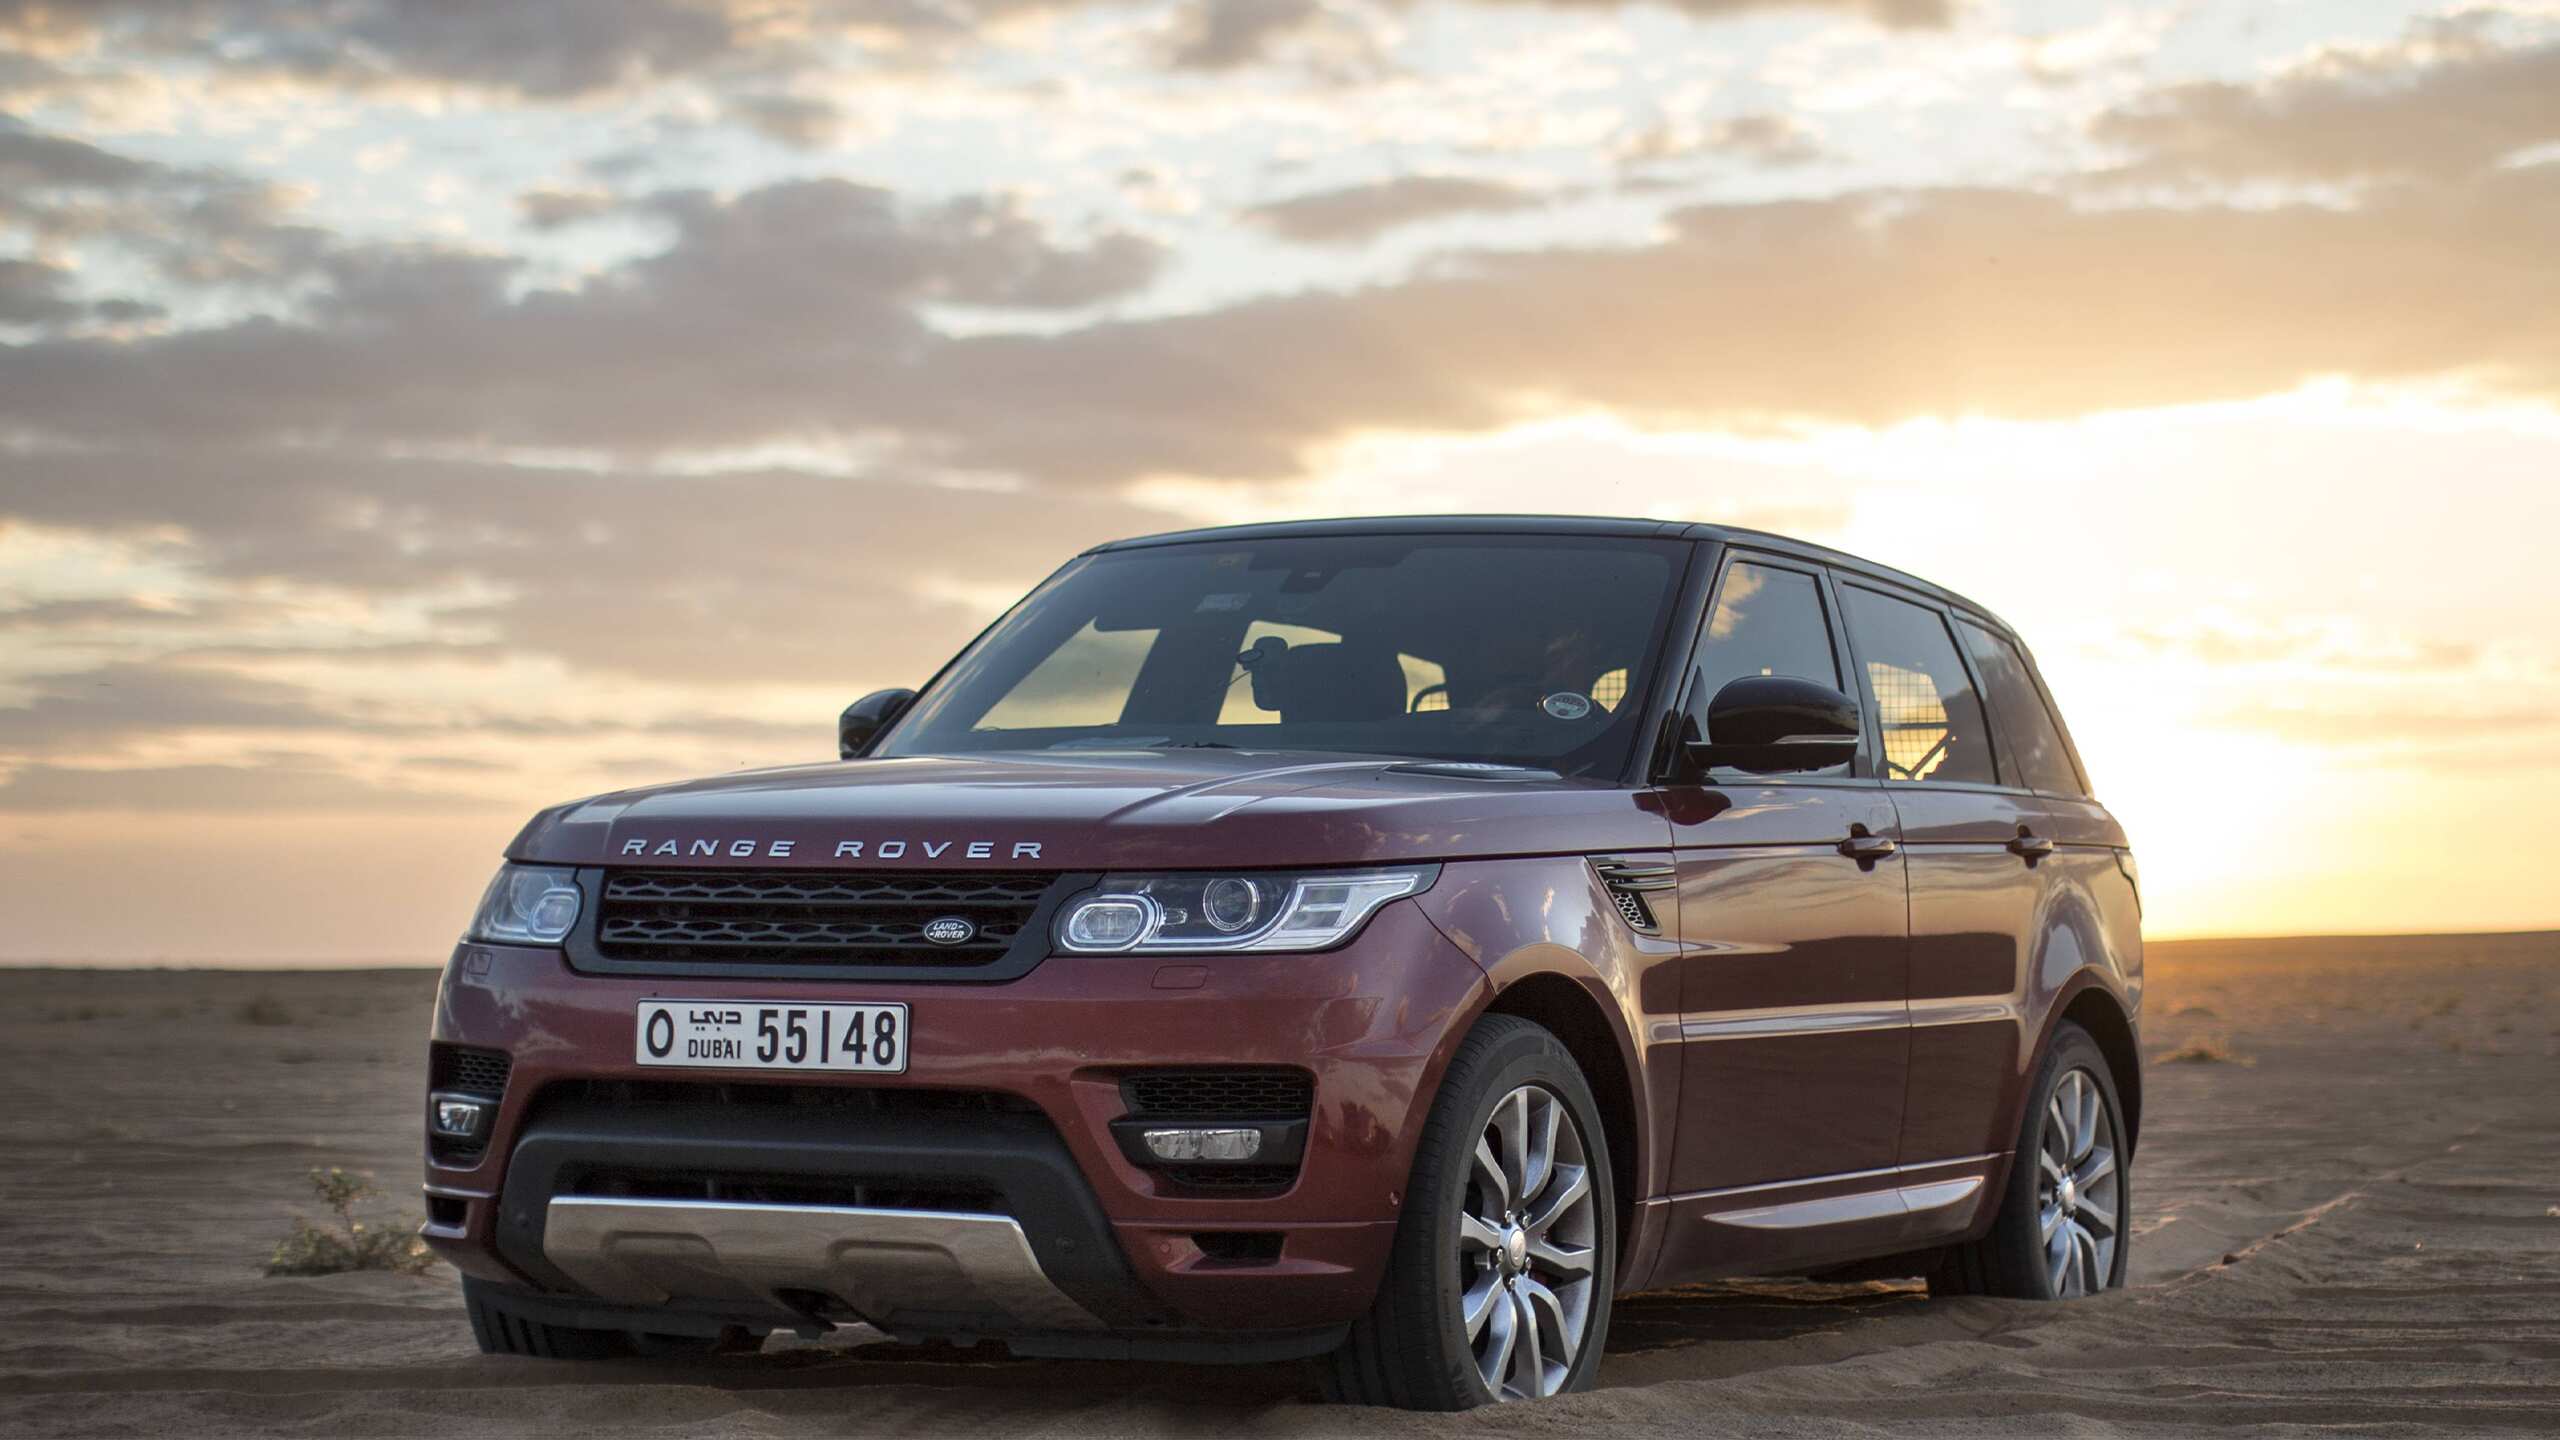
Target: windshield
(1517, 650)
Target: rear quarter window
(2027, 728)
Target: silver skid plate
(882, 1263)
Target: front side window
(1518, 650)
(2034, 743)
(1766, 621)
(1919, 691)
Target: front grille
(1219, 1094)
(671, 921)
(869, 1099)
(468, 1071)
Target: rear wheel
(504, 1329)
(2061, 1233)
(1499, 1284)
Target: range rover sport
(1385, 941)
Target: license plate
(735, 1035)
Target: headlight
(1231, 912)
(528, 905)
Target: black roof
(1551, 525)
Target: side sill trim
(1856, 1206)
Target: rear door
(1793, 952)
(2067, 844)
(1972, 838)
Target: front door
(1794, 949)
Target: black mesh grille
(747, 1188)
(469, 1071)
(1631, 906)
(1219, 1094)
(1232, 1179)
(465, 1070)
(813, 918)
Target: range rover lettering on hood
(844, 849)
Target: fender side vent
(1630, 884)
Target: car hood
(1093, 810)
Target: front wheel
(1499, 1284)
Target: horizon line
(386, 963)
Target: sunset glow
(408, 426)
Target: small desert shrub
(263, 1010)
(351, 1244)
(2201, 1052)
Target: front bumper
(1372, 1023)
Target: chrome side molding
(952, 1266)
(1899, 1201)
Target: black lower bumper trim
(1258, 1347)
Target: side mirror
(864, 719)
(1775, 725)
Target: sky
(415, 414)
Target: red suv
(1386, 940)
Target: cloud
(2448, 98)
(271, 787)
(1358, 214)
(31, 293)
(1228, 34)
(769, 577)
(567, 51)
(800, 121)
(194, 226)
(556, 209)
(799, 312)
(98, 708)
(1765, 141)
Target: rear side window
(2033, 741)
(1923, 699)
(1767, 621)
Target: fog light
(458, 1117)
(1204, 1144)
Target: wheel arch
(2093, 1007)
(1568, 1010)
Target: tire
(502, 1329)
(1415, 1349)
(2073, 1107)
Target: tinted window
(1766, 621)
(1463, 647)
(2027, 732)
(1923, 700)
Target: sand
(2349, 1224)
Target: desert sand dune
(2348, 1220)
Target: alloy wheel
(1526, 1246)
(2079, 1188)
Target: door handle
(2030, 848)
(1867, 849)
